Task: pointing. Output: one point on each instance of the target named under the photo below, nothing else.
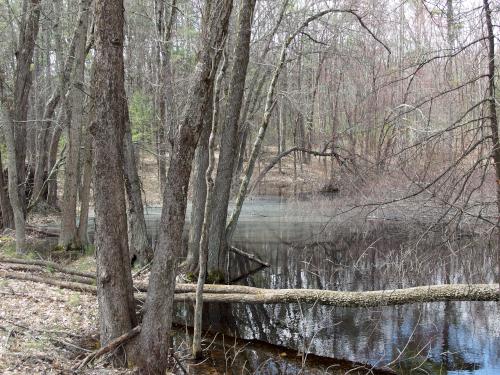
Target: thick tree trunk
(114, 280)
(154, 338)
(229, 140)
(69, 233)
(139, 249)
(23, 81)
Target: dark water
(309, 247)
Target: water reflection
(307, 249)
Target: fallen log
(420, 294)
(43, 270)
(80, 287)
(47, 264)
(250, 295)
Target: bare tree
(114, 279)
(154, 340)
(76, 100)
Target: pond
(309, 246)
(322, 245)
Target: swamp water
(309, 246)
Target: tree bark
(199, 195)
(229, 139)
(7, 213)
(85, 191)
(251, 295)
(154, 338)
(493, 112)
(69, 233)
(207, 217)
(139, 249)
(16, 109)
(166, 103)
(54, 146)
(42, 143)
(114, 281)
(22, 84)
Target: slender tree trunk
(199, 195)
(54, 146)
(85, 190)
(42, 149)
(7, 213)
(139, 249)
(493, 110)
(15, 200)
(229, 140)
(69, 233)
(310, 114)
(16, 109)
(114, 281)
(165, 85)
(207, 217)
(153, 342)
(231, 226)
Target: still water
(309, 245)
(321, 244)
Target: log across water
(251, 295)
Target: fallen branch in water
(252, 257)
(250, 295)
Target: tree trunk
(85, 191)
(7, 213)
(199, 195)
(229, 140)
(54, 146)
(114, 280)
(493, 111)
(154, 338)
(22, 85)
(165, 85)
(139, 249)
(42, 149)
(69, 233)
(207, 217)
(16, 109)
(15, 200)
